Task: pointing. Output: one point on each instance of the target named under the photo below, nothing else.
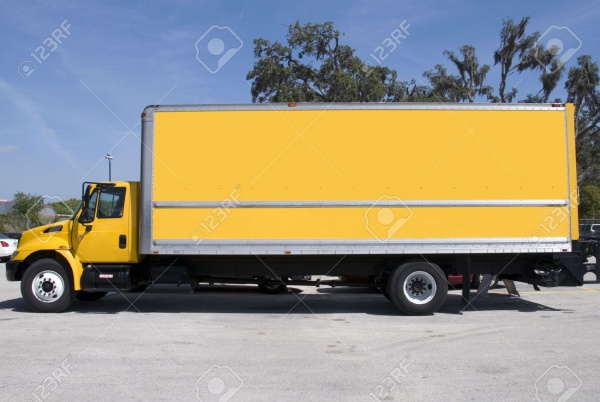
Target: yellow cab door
(103, 234)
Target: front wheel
(46, 286)
(418, 288)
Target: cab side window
(111, 202)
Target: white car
(7, 247)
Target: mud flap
(568, 270)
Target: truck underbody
(558, 269)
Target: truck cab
(82, 257)
(105, 230)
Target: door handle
(122, 241)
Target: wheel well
(39, 255)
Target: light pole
(110, 158)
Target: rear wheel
(418, 288)
(384, 291)
(46, 286)
(90, 296)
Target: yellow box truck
(404, 194)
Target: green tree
(551, 68)
(313, 66)
(25, 213)
(581, 85)
(26, 203)
(444, 86)
(590, 202)
(516, 53)
(472, 75)
(66, 207)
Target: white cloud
(37, 122)
(8, 149)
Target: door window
(111, 203)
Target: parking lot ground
(235, 343)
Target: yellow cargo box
(358, 179)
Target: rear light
(3, 244)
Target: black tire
(53, 289)
(82, 295)
(272, 287)
(476, 281)
(385, 291)
(418, 288)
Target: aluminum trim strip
(363, 203)
(356, 106)
(363, 242)
(361, 247)
(146, 179)
(569, 195)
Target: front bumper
(12, 271)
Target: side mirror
(82, 218)
(85, 208)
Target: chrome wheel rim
(48, 286)
(419, 287)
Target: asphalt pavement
(233, 343)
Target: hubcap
(419, 287)
(48, 286)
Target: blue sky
(117, 57)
